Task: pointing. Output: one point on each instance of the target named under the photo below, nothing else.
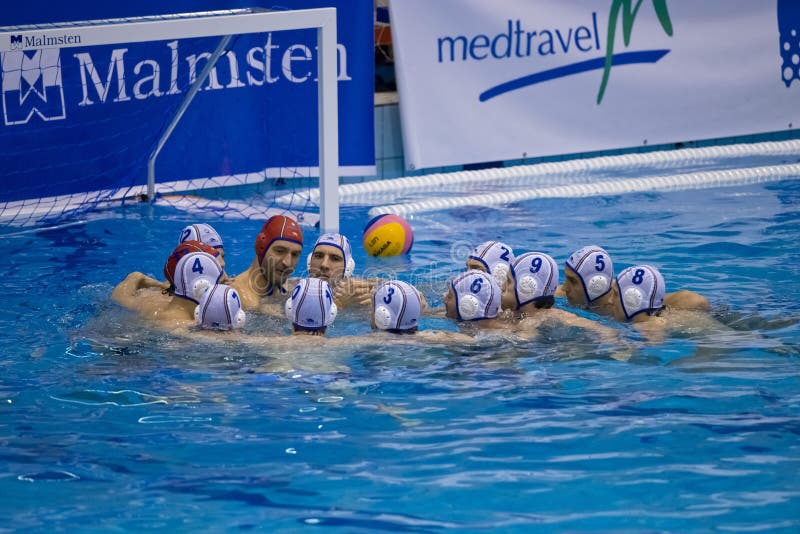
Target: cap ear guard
(288, 309)
(332, 313)
(597, 286)
(199, 287)
(631, 300)
(350, 268)
(468, 307)
(240, 320)
(526, 289)
(500, 272)
(383, 318)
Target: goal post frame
(222, 24)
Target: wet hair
(543, 303)
(402, 331)
(309, 330)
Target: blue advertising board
(86, 118)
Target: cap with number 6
(477, 295)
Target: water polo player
(331, 260)
(492, 257)
(220, 308)
(194, 274)
(277, 247)
(204, 233)
(310, 308)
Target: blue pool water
(107, 426)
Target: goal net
(172, 109)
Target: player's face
(451, 310)
(327, 262)
(221, 258)
(509, 299)
(280, 260)
(616, 303)
(573, 288)
(475, 264)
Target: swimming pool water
(107, 425)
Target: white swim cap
(204, 233)
(311, 305)
(535, 275)
(477, 295)
(342, 243)
(593, 266)
(397, 306)
(641, 289)
(220, 309)
(496, 257)
(196, 272)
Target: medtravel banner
(484, 81)
(77, 118)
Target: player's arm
(125, 292)
(606, 334)
(686, 300)
(353, 291)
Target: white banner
(496, 80)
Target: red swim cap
(182, 250)
(277, 227)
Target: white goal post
(215, 24)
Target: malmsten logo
(32, 79)
(43, 41)
(32, 84)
